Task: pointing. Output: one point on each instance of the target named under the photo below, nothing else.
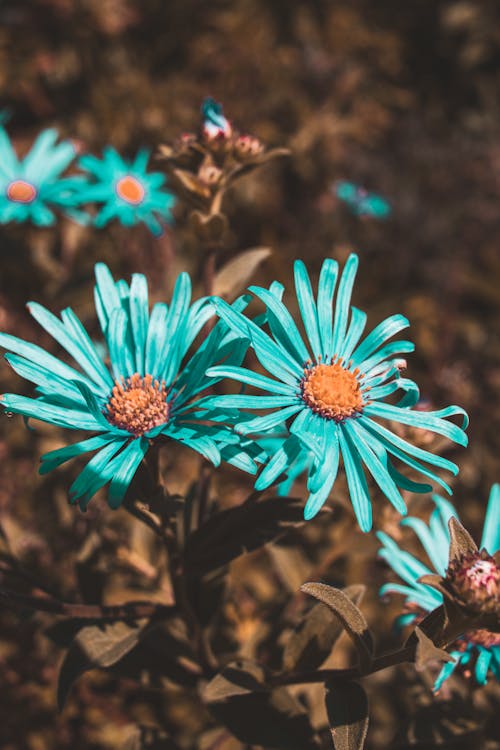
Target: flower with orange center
(151, 387)
(126, 191)
(138, 404)
(474, 580)
(21, 191)
(32, 187)
(332, 391)
(130, 189)
(327, 392)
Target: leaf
(315, 637)
(461, 542)
(231, 533)
(95, 647)
(236, 273)
(427, 651)
(209, 227)
(274, 720)
(347, 709)
(238, 678)
(190, 184)
(350, 616)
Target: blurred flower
(361, 202)
(148, 391)
(31, 187)
(334, 388)
(129, 193)
(215, 124)
(477, 649)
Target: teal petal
(326, 290)
(491, 529)
(343, 303)
(356, 481)
(307, 307)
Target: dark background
(402, 98)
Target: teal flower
(148, 391)
(477, 651)
(32, 187)
(215, 124)
(332, 391)
(361, 202)
(128, 192)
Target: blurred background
(402, 99)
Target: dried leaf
(95, 647)
(461, 542)
(231, 533)
(315, 637)
(236, 273)
(347, 709)
(190, 184)
(350, 616)
(427, 651)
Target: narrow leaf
(461, 542)
(427, 651)
(347, 709)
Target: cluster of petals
(476, 652)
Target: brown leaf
(231, 533)
(93, 647)
(347, 709)
(461, 542)
(315, 637)
(427, 651)
(350, 616)
(236, 273)
(238, 678)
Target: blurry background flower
(361, 202)
(30, 188)
(478, 651)
(126, 191)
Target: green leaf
(231, 533)
(315, 637)
(347, 709)
(351, 617)
(94, 647)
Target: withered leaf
(347, 709)
(231, 533)
(236, 273)
(95, 646)
(315, 637)
(351, 617)
(461, 542)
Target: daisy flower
(32, 187)
(148, 391)
(332, 390)
(128, 192)
(477, 651)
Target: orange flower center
(129, 189)
(332, 391)
(137, 404)
(21, 191)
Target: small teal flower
(128, 192)
(215, 124)
(149, 390)
(478, 650)
(361, 202)
(32, 187)
(331, 391)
